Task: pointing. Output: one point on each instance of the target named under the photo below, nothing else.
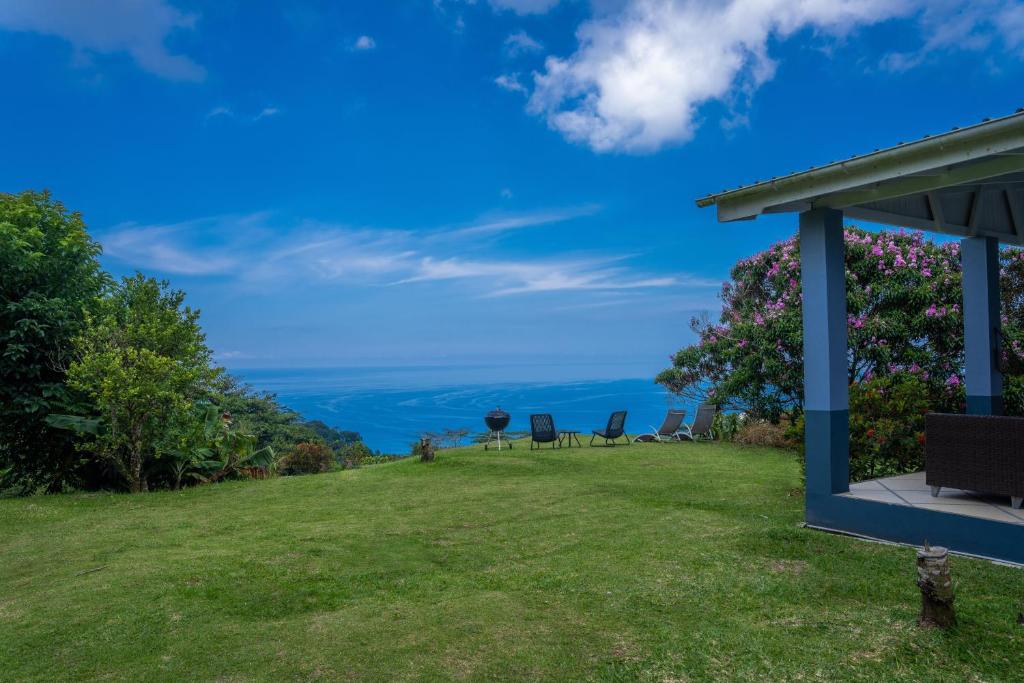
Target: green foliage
(354, 454)
(903, 313)
(143, 362)
(726, 425)
(905, 331)
(307, 458)
(274, 425)
(49, 280)
(212, 448)
(233, 452)
(335, 439)
(887, 424)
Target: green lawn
(650, 562)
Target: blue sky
(417, 181)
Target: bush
(887, 423)
(354, 454)
(307, 458)
(727, 425)
(887, 426)
(761, 433)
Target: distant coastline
(392, 406)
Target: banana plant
(230, 451)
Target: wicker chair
(616, 427)
(983, 453)
(542, 430)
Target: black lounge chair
(703, 425)
(542, 430)
(669, 429)
(616, 428)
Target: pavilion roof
(969, 182)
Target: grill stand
(494, 436)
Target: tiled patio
(910, 490)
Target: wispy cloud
(523, 277)
(364, 43)
(257, 251)
(503, 222)
(139, 28)
(165, 248)
(266, 113)
(511, 83)
(519, 43)
(524, 6)
(217, 112)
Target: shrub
(354, 454)
(887, 423)
(762, 433)
(727, 425)
(903, 305)
(887, 426)
(307, 458)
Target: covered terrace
(968, 183)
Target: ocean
(392, 406)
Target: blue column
(826, 390)
(979, 257)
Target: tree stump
(936, 586)
(426, 450)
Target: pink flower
(743, 343)
(953, 381)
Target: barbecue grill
(496, 420)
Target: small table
(570, 434)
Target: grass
(651, 562)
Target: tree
(143, 362)
(903, 315)
(49, 280)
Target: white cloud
(163, 248)
(257, 252)
(524, 6)
(506, 193)
(266, 113)
(219, 111)
(502, 222)
(525, 277)
(640, 74)
(952, 25)
(139, 28)
(510, 82)
(520, 43)
(643, 68)
(365, 43)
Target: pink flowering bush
(904, 319)
(903, 314)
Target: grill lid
(497, 419)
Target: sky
(460, 182)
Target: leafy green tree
(143, 362)
(49, 280)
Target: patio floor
(910, 490)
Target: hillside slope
(650, 562)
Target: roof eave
(801, 189)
